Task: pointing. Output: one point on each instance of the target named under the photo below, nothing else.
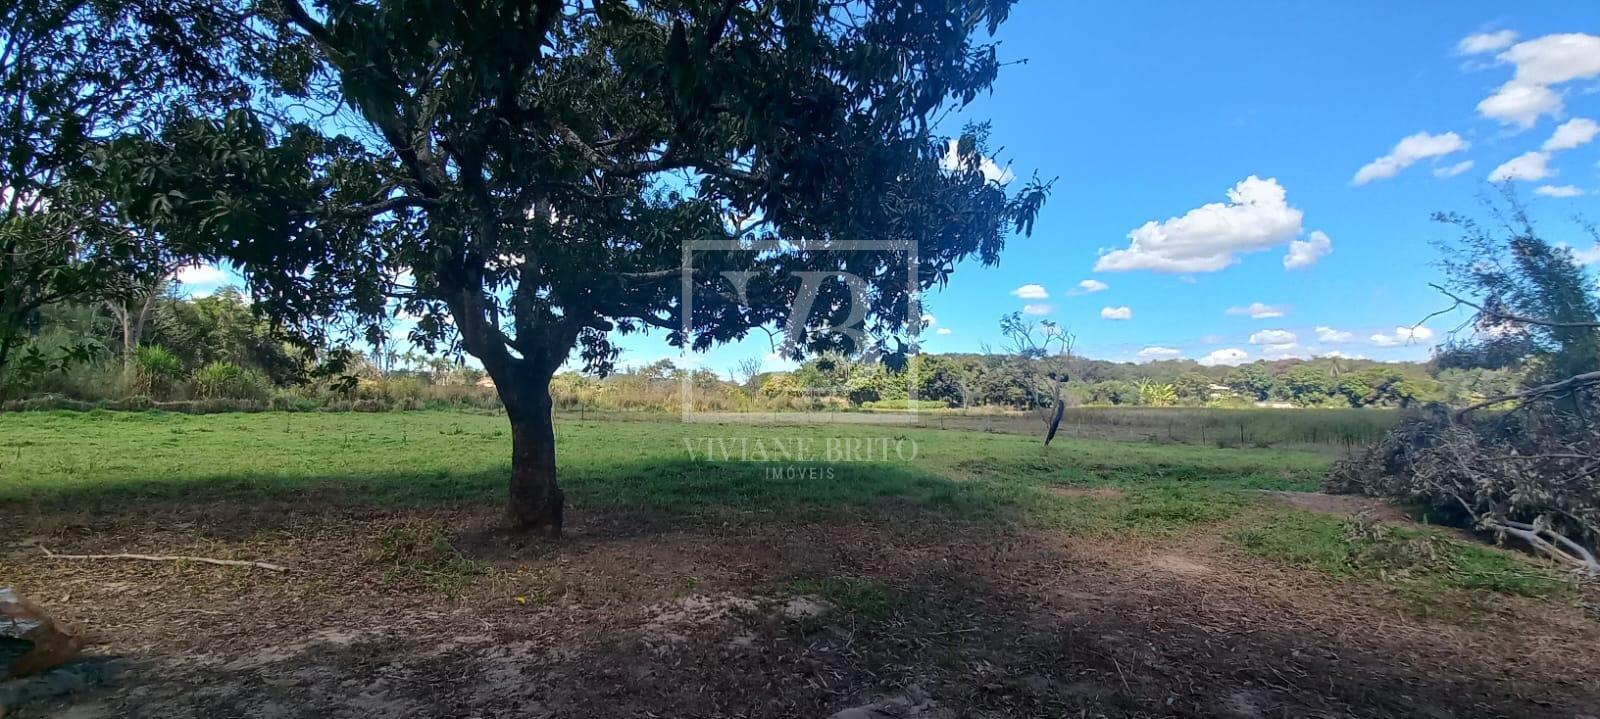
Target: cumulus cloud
(1527, 166)
(1558, 191)
(1039, 309)
(1573, 133)
(942, 331)
(1031, 292)
(1408, 152)
(1257, 311)
(1340, 355)
(203, 275)
(1230, 356)
(1516, 104)
(1257, 216)
(1273, 337)
(1541, 64)
(1116, 313)
(1452, 170)
(1333, 336)
(991, 171)
(1159, 353)
(1088, 287)
(1403, 336)
(1306, 252)
(929, 320)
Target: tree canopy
(522, 176)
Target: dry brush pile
(1529, 473)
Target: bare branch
(1569, 384)
(1505, 316)
(174, 558)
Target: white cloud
(1282, 350)
(1229, 357)
(929, 320)
(1407, 152)
(1306, 252)
(1558, 191)
(991, 171)
(1527, 166)
(942, 331)
(1519, 104)
(1482, 42)
(776, 362)
(1333, 336)
(1257, 216)
(1572, 133)
(1587, 257)
(1040, 309)
(1541, 63)
(1452, 170)
(1403, 336)
(1555, 59)
(1340, 355)
(1257, 311)
(1116, 313)
(1273, 337)
(1088, 287)
(202, 275)
(1031, 292)
(1158, 353)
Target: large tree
(522, 176)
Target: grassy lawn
(439, 458)
(669, 468)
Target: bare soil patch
(1101, 493)
(1340, 504)
(633, 618)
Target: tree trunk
(536, 500)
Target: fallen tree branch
(1571, 383)
(155, 558)
(1535, 535)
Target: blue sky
(1152, 111)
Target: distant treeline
(213, 348)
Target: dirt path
(631, 618)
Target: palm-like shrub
(156, 371)
(226, 380)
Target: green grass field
(431, 458)
(83, 461)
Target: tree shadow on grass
(669, 487)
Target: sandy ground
(638, 617)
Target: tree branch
(394, 203)
(1496, 314)
(1571, 383)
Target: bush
(226, 380)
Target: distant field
(1321, 430)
